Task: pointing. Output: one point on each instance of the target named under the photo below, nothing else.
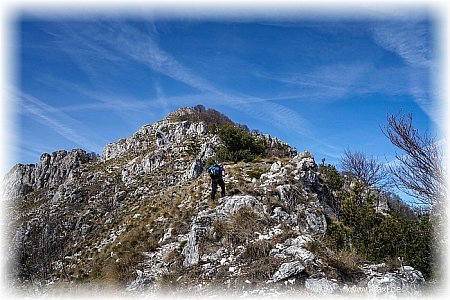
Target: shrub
(379, 237)
(239, 145)
(338, 235)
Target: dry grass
(341, 264)
(240, 228)
(287, 233)
(257, 250)
(262, 269)
(346, 264)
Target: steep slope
(139, 218)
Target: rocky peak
(185, 113)
(141, 217)
(179, 125)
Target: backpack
(214, 171)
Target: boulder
(287, 270)
(231, 204)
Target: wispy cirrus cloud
(410, 40)
(141, 46)
(114, 41)
(413, 43)
(58, 121)
(334, 82)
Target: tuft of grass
(257, 172)
(341, 264)
(286, 233)
(240, 228)
(346, 263)
(257, 250)
(262, 269)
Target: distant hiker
(216, 173)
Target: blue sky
(322, 85)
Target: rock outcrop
(51, 171)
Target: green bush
(239, 145)
(379, 237)
(338, 235)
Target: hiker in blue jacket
(216, 173)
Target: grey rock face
(231, 204)
(294, 248)
(52, 170)
(313, 221)
(191, 250)
(203, 223)
(159, 134)
(406, 281)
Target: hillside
(139, 219)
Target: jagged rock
(318, 284)
(294, 248)
(282, 216)
(305, 162)
(313, 221)
(203, 222)
(52, 170)
(374, 269)
(287, 270)
(159, 134)
(276, 166)
(231, 204)
(190, 250)
(385, 284)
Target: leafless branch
(420, 168)
(367, 169)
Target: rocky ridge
(139, 217)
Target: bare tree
(419, 170)
(367, 169)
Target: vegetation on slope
(377, 236)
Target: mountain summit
(139, 217)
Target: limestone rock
(287, 270)
(320, 285)
(52, 170)
(406, 281)
(231, 204)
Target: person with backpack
(216, 174)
